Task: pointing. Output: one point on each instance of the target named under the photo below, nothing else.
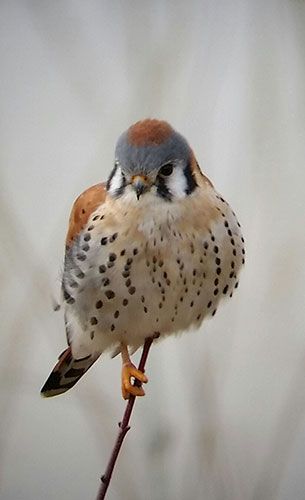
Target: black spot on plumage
(113, 237)
(119, 191)
(104, 240)
(131, 290)
(93, 320)
(91, 227)
(225, 290)
(99, 304)
(191, 183)
(95, 217)
(112, 257)
(110, 294)
(87, 237)
(68, 298)
(162, 189)
(102, 268)
(81, 256)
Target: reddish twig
(123, 425)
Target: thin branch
(123, 425)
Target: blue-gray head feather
(148, 144)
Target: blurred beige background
(224, 416)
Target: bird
(153, 250)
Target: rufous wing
(83, 207)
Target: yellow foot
(129, 371)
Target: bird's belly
(163, 289)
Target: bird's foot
(129, 371)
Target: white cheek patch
(116, 182)
(176, 183)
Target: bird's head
(152, 157)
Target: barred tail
(66, 373)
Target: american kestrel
(153, 250)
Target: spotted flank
(66, 373)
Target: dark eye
(166, 169)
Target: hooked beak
(140, 184)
